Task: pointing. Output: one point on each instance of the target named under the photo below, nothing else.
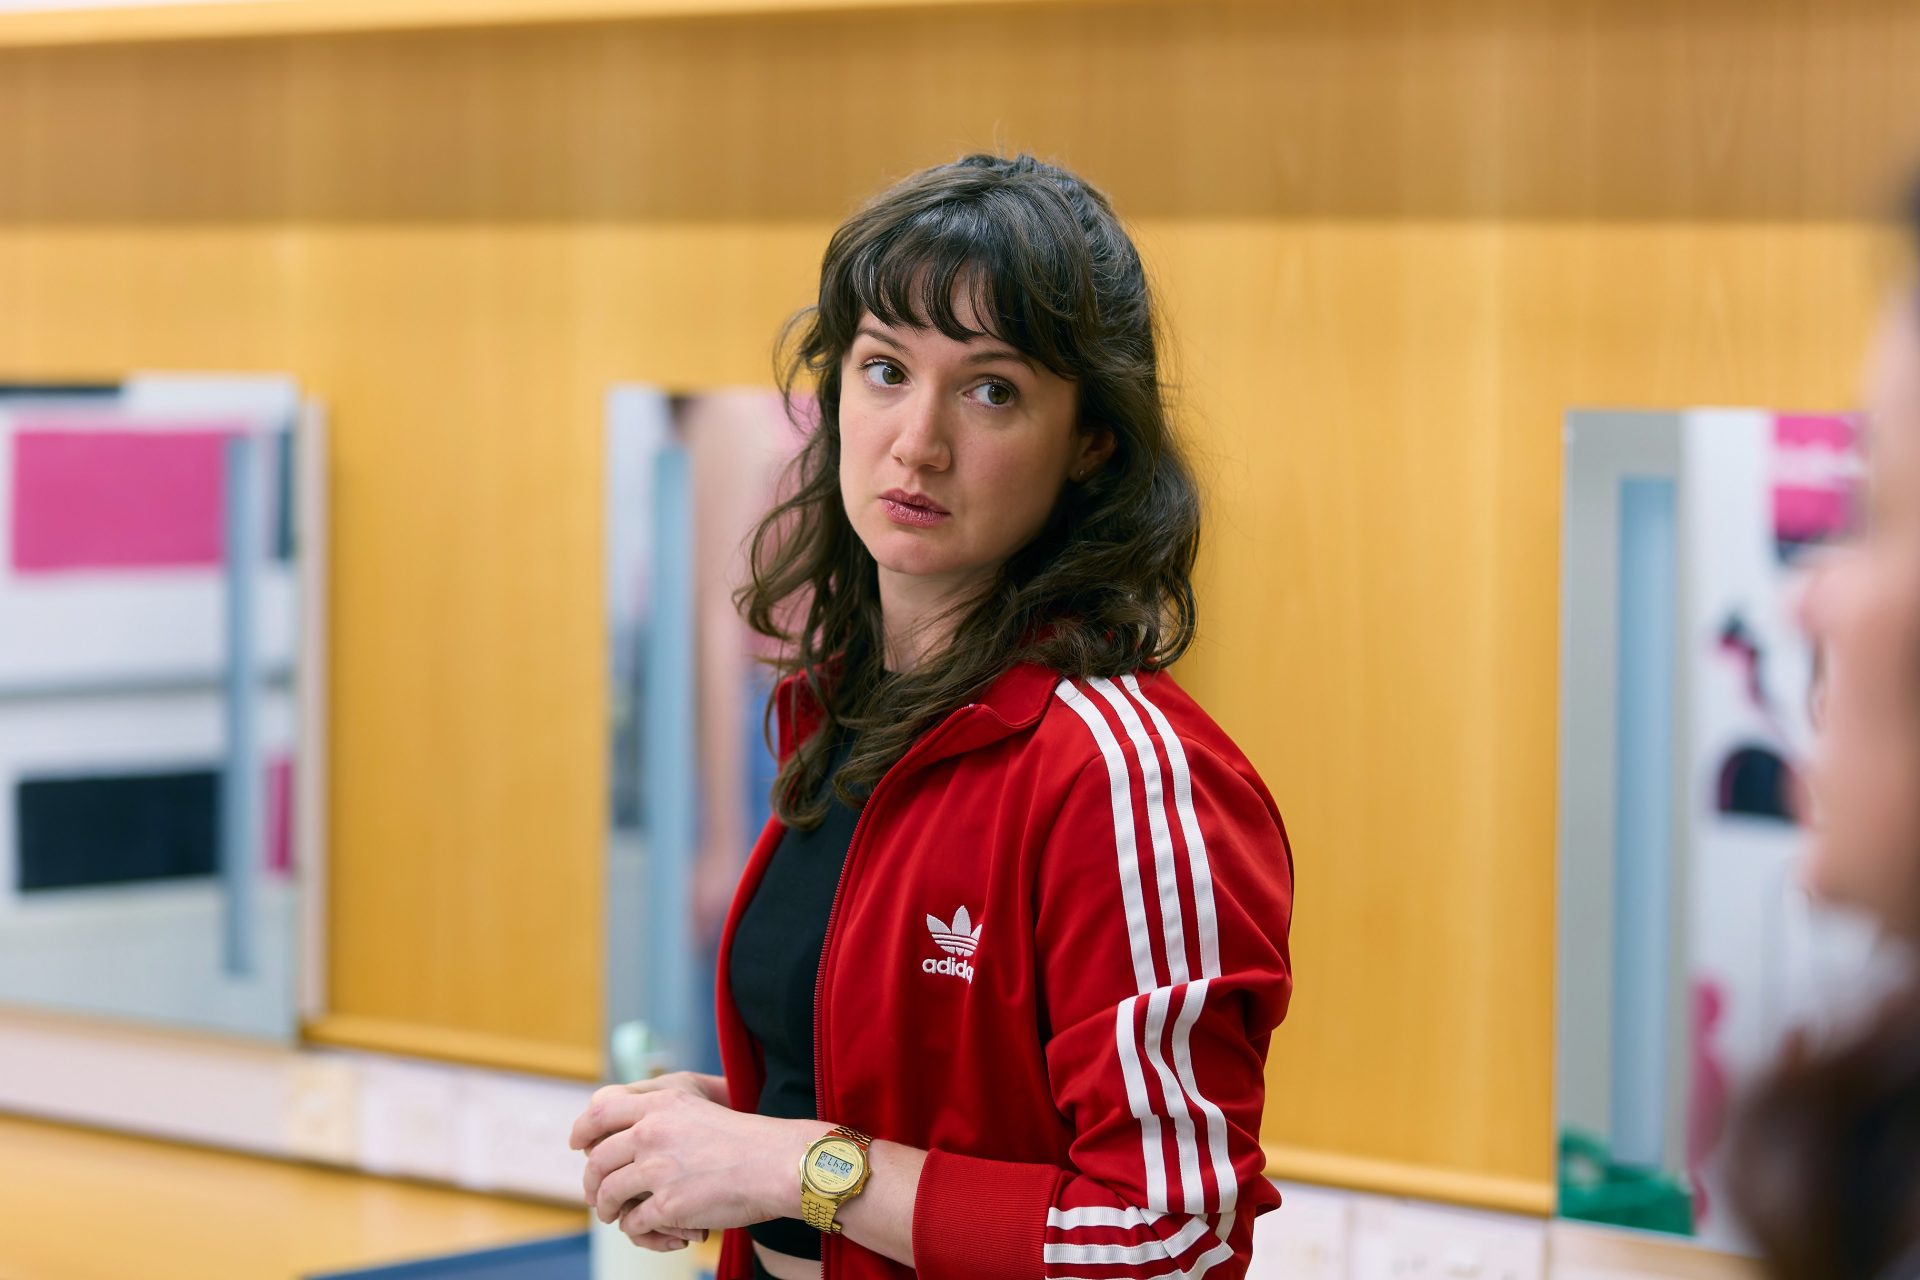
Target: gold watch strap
(819, 1211)
(854, 1136)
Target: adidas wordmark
(958, 940)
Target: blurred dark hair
(1825, 1162)
(1104, 588)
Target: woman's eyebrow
(868, 331)
(986, 355)
(990, 354)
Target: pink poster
(102, 498)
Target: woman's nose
(1800, 604)
(921, 440)
(1822, 592)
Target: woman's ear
(1096, 446)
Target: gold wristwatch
(832, 1173)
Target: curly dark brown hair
(1105, 587)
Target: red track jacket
(1057, 950)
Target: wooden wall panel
(1396, 241)
(1381, 611)
(143, 20)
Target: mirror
(1688, 953)
(688, 477)
(158, 713)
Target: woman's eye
(995, 395)
(884, 373)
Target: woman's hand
(667, 1162)
(712, 1088)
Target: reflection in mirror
(158, 715)
(687, 479)
(1688, 953)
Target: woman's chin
(920, 567)
(914, 553)
(1841, 876)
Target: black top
(774, 966)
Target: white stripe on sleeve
(1125, 842)
(1168, 1249)
(1100, 1215)
(1153, 1149)
(1201, 1265)
(1172, 917)
(1208, 931)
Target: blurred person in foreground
(1826, 1157)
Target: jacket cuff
(977, 1219)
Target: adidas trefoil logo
(958, 940)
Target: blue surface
(561, 1258)
(1643, 819)
(669, 757)
(240, 784)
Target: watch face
(833, 1166)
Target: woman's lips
(908, 513)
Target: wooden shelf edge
(268, 18)
(1420, 1182)
(470, 1048)
(1607, 1250)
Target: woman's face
(1862, 608)
(952, 454)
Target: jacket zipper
(833, 910)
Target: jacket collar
(1018, 696)
(1015, 700)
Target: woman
(1827, 1162)
(995, 992)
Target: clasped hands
(669, 1160)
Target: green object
(634, 1054)
(629, 1051)
(1593, 1188)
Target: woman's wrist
(783, 1170)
